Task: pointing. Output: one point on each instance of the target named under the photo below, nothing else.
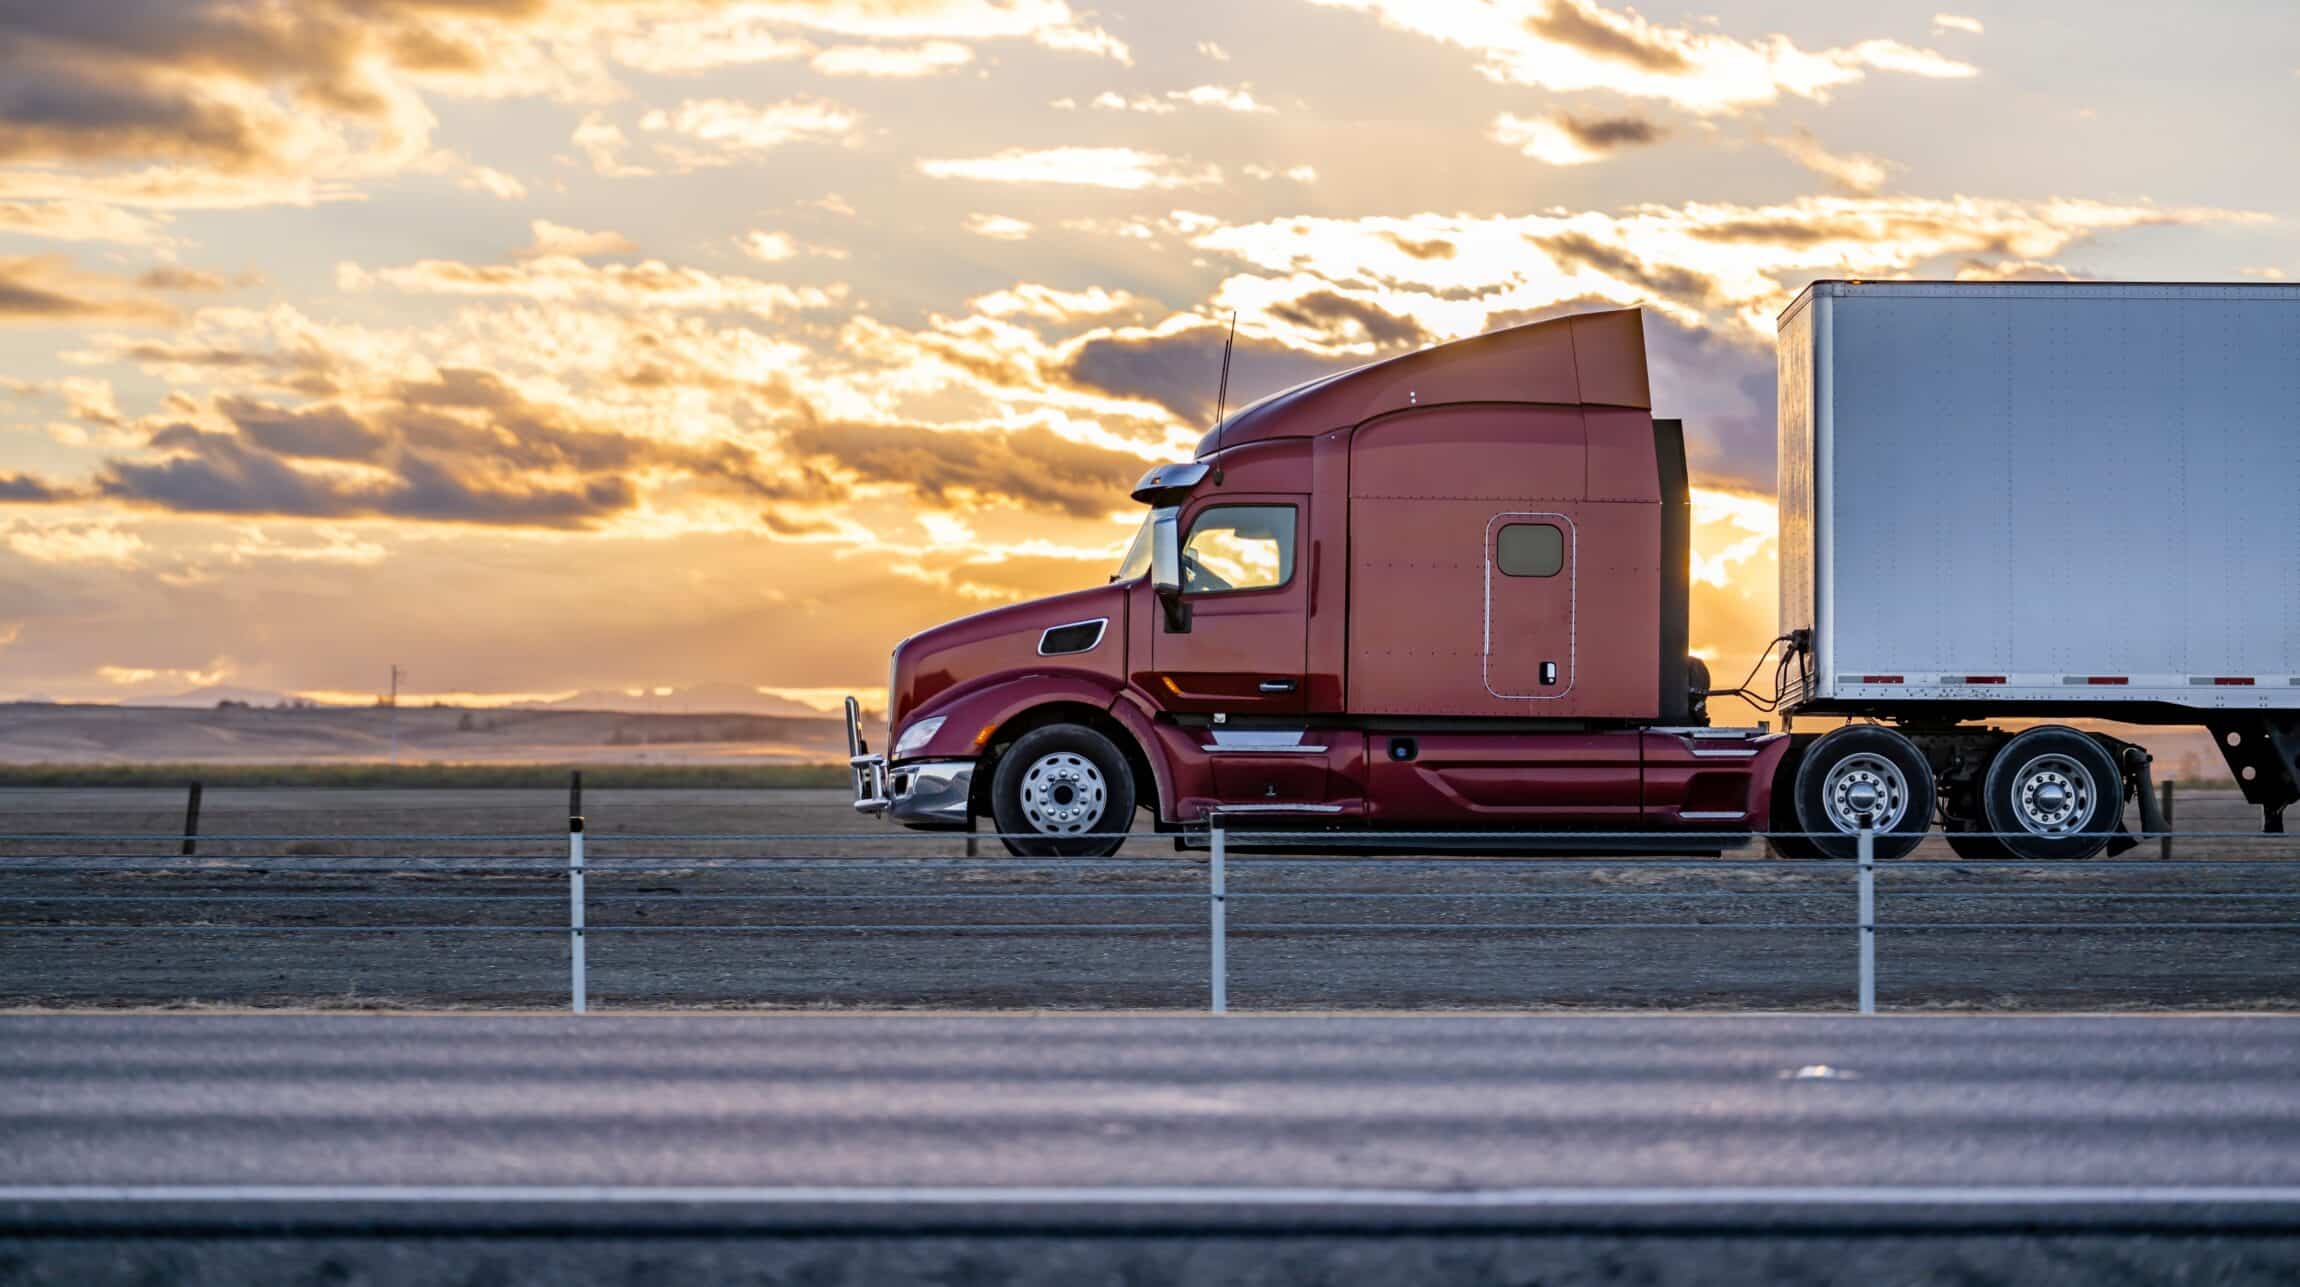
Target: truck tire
(1062, 791)
(1862, 768)
(1784, 840)
(2052, 792)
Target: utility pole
(392, 702)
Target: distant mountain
(702, 699)
(212, 694)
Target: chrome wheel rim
(2053, 795)
(1866, 784)
(1063, 794)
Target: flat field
(690, 905)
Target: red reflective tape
(1880, 679)
(1984, 679)
(2233, 681)
(2107, 679)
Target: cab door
(1237, 639)
(1529, 606)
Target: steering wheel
(1197, 577)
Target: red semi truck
(1444, 593)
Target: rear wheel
(1864, 774)
(1062, 791)
(2052, 792)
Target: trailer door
(1529, 604)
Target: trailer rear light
(2222, 681)
(1880, 679)
(2096, 679)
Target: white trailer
(2026, 500)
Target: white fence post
(1218, 912)
(577, 985)
(1868, 857)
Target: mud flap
(2267, 746)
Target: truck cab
(1443, 592)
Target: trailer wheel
(1062, 791)
(2052, 792)
(1860, 771)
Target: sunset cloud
(1577, 45)
(1562, 138)
(1123, 168)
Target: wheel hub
(2053, 796)
(1064, 794)
(1866, 788)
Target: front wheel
(1863, 775)
(1062, 791)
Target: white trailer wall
(2025, 492)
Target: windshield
(1137, 560)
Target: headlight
(916, 737)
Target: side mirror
(1166, 552)
(1166, 566)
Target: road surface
(1952, 1131)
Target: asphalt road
(1058, 1150)
(1426, 1104)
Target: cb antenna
(1222, 392)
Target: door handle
(1276, 685)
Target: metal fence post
(2164, 844)
(578, 986)
(1218, 913)
(192, 821)
(1868, 858)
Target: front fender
(972, 715)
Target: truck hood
(1003, 642)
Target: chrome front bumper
(930, 795)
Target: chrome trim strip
(1695, 815)
(1258, 739)
(1101, 625)
(1219, 749)
(1723, 753)
(1274, 808)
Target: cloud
(463, 446)
(1708, 263)
(1577, 45)
(1854, 172)
(893, 61)
(1123, 168)
(1029, 299)
(997, 227)
(649, 284)
(559, 239)
(18, 488)
(172, 277)
(1240, 99)
(960, 468)
(1562, 138)
(80, 221)
(1956, 22)
(712, 35)
(734, 128)
(46, 290)
(603, 143)
(99, 543)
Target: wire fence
(115, 885)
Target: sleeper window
(1529, 549)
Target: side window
(1529, 549)
(1238, 547)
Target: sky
(539, 346)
